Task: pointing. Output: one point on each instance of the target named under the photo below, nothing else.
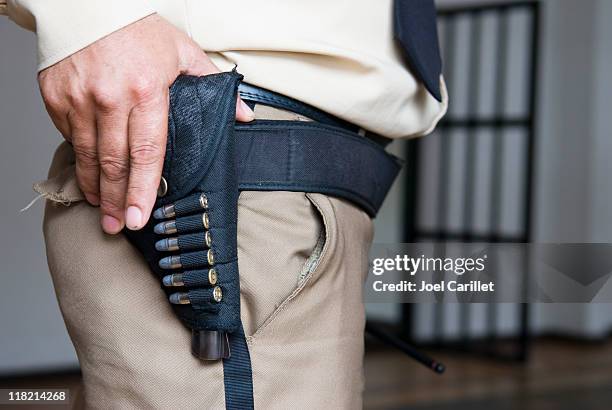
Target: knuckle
(106, 99)
(114, 168)
(146, 153)
(143, 88)
(84, 153)
(87, 186)
(51, 100)
(77, 99)
(53, 92)
(110, 204)
(137, 192)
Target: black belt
(325, 155)
(253, 94)
(313, 157)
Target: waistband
(252, 94)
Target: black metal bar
(445, 159)
(532, 107)
(472, 106)
(420, 357)
(474, 69)
(524, 336)
(501, 57)
(500, 90)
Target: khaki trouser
(302, 260)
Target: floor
(561, 375)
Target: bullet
(166, 211)
(179, 299)
(167, 245)
(174, 261)
(176, 279)
(169, 211)
(170, 262)
(165, 228)
(197, 240)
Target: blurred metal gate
(490, 55)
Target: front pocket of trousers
(313, 264)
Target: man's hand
(110, 100)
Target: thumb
(194, 61)
(243, 111)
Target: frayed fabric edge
(55, 197)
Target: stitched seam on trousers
(328, 220)
(311, 263)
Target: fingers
(111, 99)
(74, 116)
(84, 143)
(113, 158)
(148, 127)
(116, 119)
